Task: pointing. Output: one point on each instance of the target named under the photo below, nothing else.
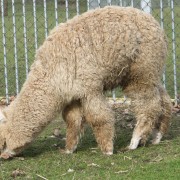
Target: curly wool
(82, 58)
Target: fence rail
(24, 24)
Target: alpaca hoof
(68, 151)
(155, 141)
(157, 136)
(132, 147)
(109, 153)
(65, 151)
(6, 156)
(134, 142)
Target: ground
(44, 158)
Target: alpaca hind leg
(146, 103)
(101, 119)
(163, 123)
(156, 136)
(73, 117)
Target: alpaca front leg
(161, 126)
(101, 119)
(73, 117)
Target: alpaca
(79, 60)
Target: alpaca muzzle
(4, 152)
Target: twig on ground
(119, 172)
(41, 177)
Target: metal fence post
(56, 12)
(25, 37)
(174, 51)
(4, 53)
(15, 47)
(45, 19)
(35, 24)
(146, 5)
(162, 26)
(67, 9)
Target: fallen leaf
(126, 111)
(126, 157)
(93, 151)
(70, 170)
(54, 145)
(64, 174)
(130, 125)
(52, 136)
(157, 159)
(93, 148)
(17, 172)
(21, 158)
(57, 132)
(93, 165)
(42, 177)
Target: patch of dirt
(17, 172)
(124, 116)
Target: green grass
(51, 24)
(43, 158)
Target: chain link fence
(24, 24)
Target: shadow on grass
(40, 146)
(45, 143)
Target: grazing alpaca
(79, 60)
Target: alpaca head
(2, 124)
(4, 152)
(2, 141)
